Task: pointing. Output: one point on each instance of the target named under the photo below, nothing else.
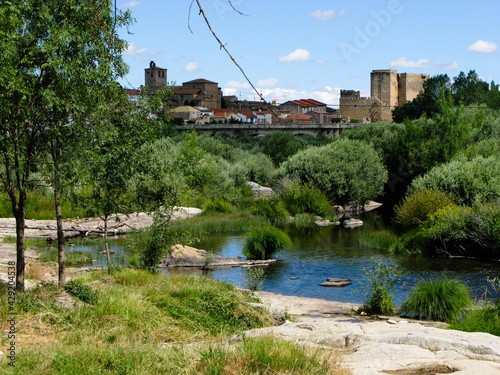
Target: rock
(260, 191)
(353, 223)
(294, 278)
(111, 252)
(336, 279)
(325, 223)
(336, 284)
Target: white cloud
(234, 87)
(327, 14)
(131, 4)
(321, 61)
(191, 67)
(403, 63)
(268, 82)
(133, 50)
(299, 55)
(482, 46)
(423, 63)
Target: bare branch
(236, 10)
(223, 46)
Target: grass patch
(40, 206)
(380, 240)
(266, 355)
(481, 320)
(50, 254)
(437, 299)
(136, 325)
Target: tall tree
(58, 58)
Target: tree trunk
(19, 211)
(60, 239)
(106, 242)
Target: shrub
(299, 199)
(463, 231)
(272, 209)
(418, 206)
(482, 320)
(469, 181)
(345, 170)
(382, 240)
(439, 299)
(382, 280)
(262, 243)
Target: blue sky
(293, 49)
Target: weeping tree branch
(223, 46)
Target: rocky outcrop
(352, 223)
(186, 256)
(336, 282)
(388, 346)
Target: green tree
(469, 89)
(345, 170)
(426, 102)
(57, 57)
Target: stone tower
(384, 86)
(155, 77)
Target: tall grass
(437, 299)
(72, 256)
(486, 320)
(381, 240)
(262, 243)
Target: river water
(334, 251)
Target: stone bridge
(329, 130)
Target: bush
(469, 182)
(345, 170)
(253, 278)
(300, 199)
(262, 243)
(461, 231)
(272, 209)
(382, 240)
(418, 206)
(440, 299)
(382, 280)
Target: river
(334, 251)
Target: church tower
(155, 77)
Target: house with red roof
(302, 106)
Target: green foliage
(300, 198)
(485, 148)
(380, 135)
(415, 209)
(456, 230)
(262, 243)
(383, 240)
(469, 181)
(438, 299)
(486, 319)
(218, 205)
(280, 146)
(82, 291)
(344, 170)
(382, 280)
(304, 221)
(253, 278)
(272, 208)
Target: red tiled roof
(308, 103)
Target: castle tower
(155, 77)
(384, 86)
